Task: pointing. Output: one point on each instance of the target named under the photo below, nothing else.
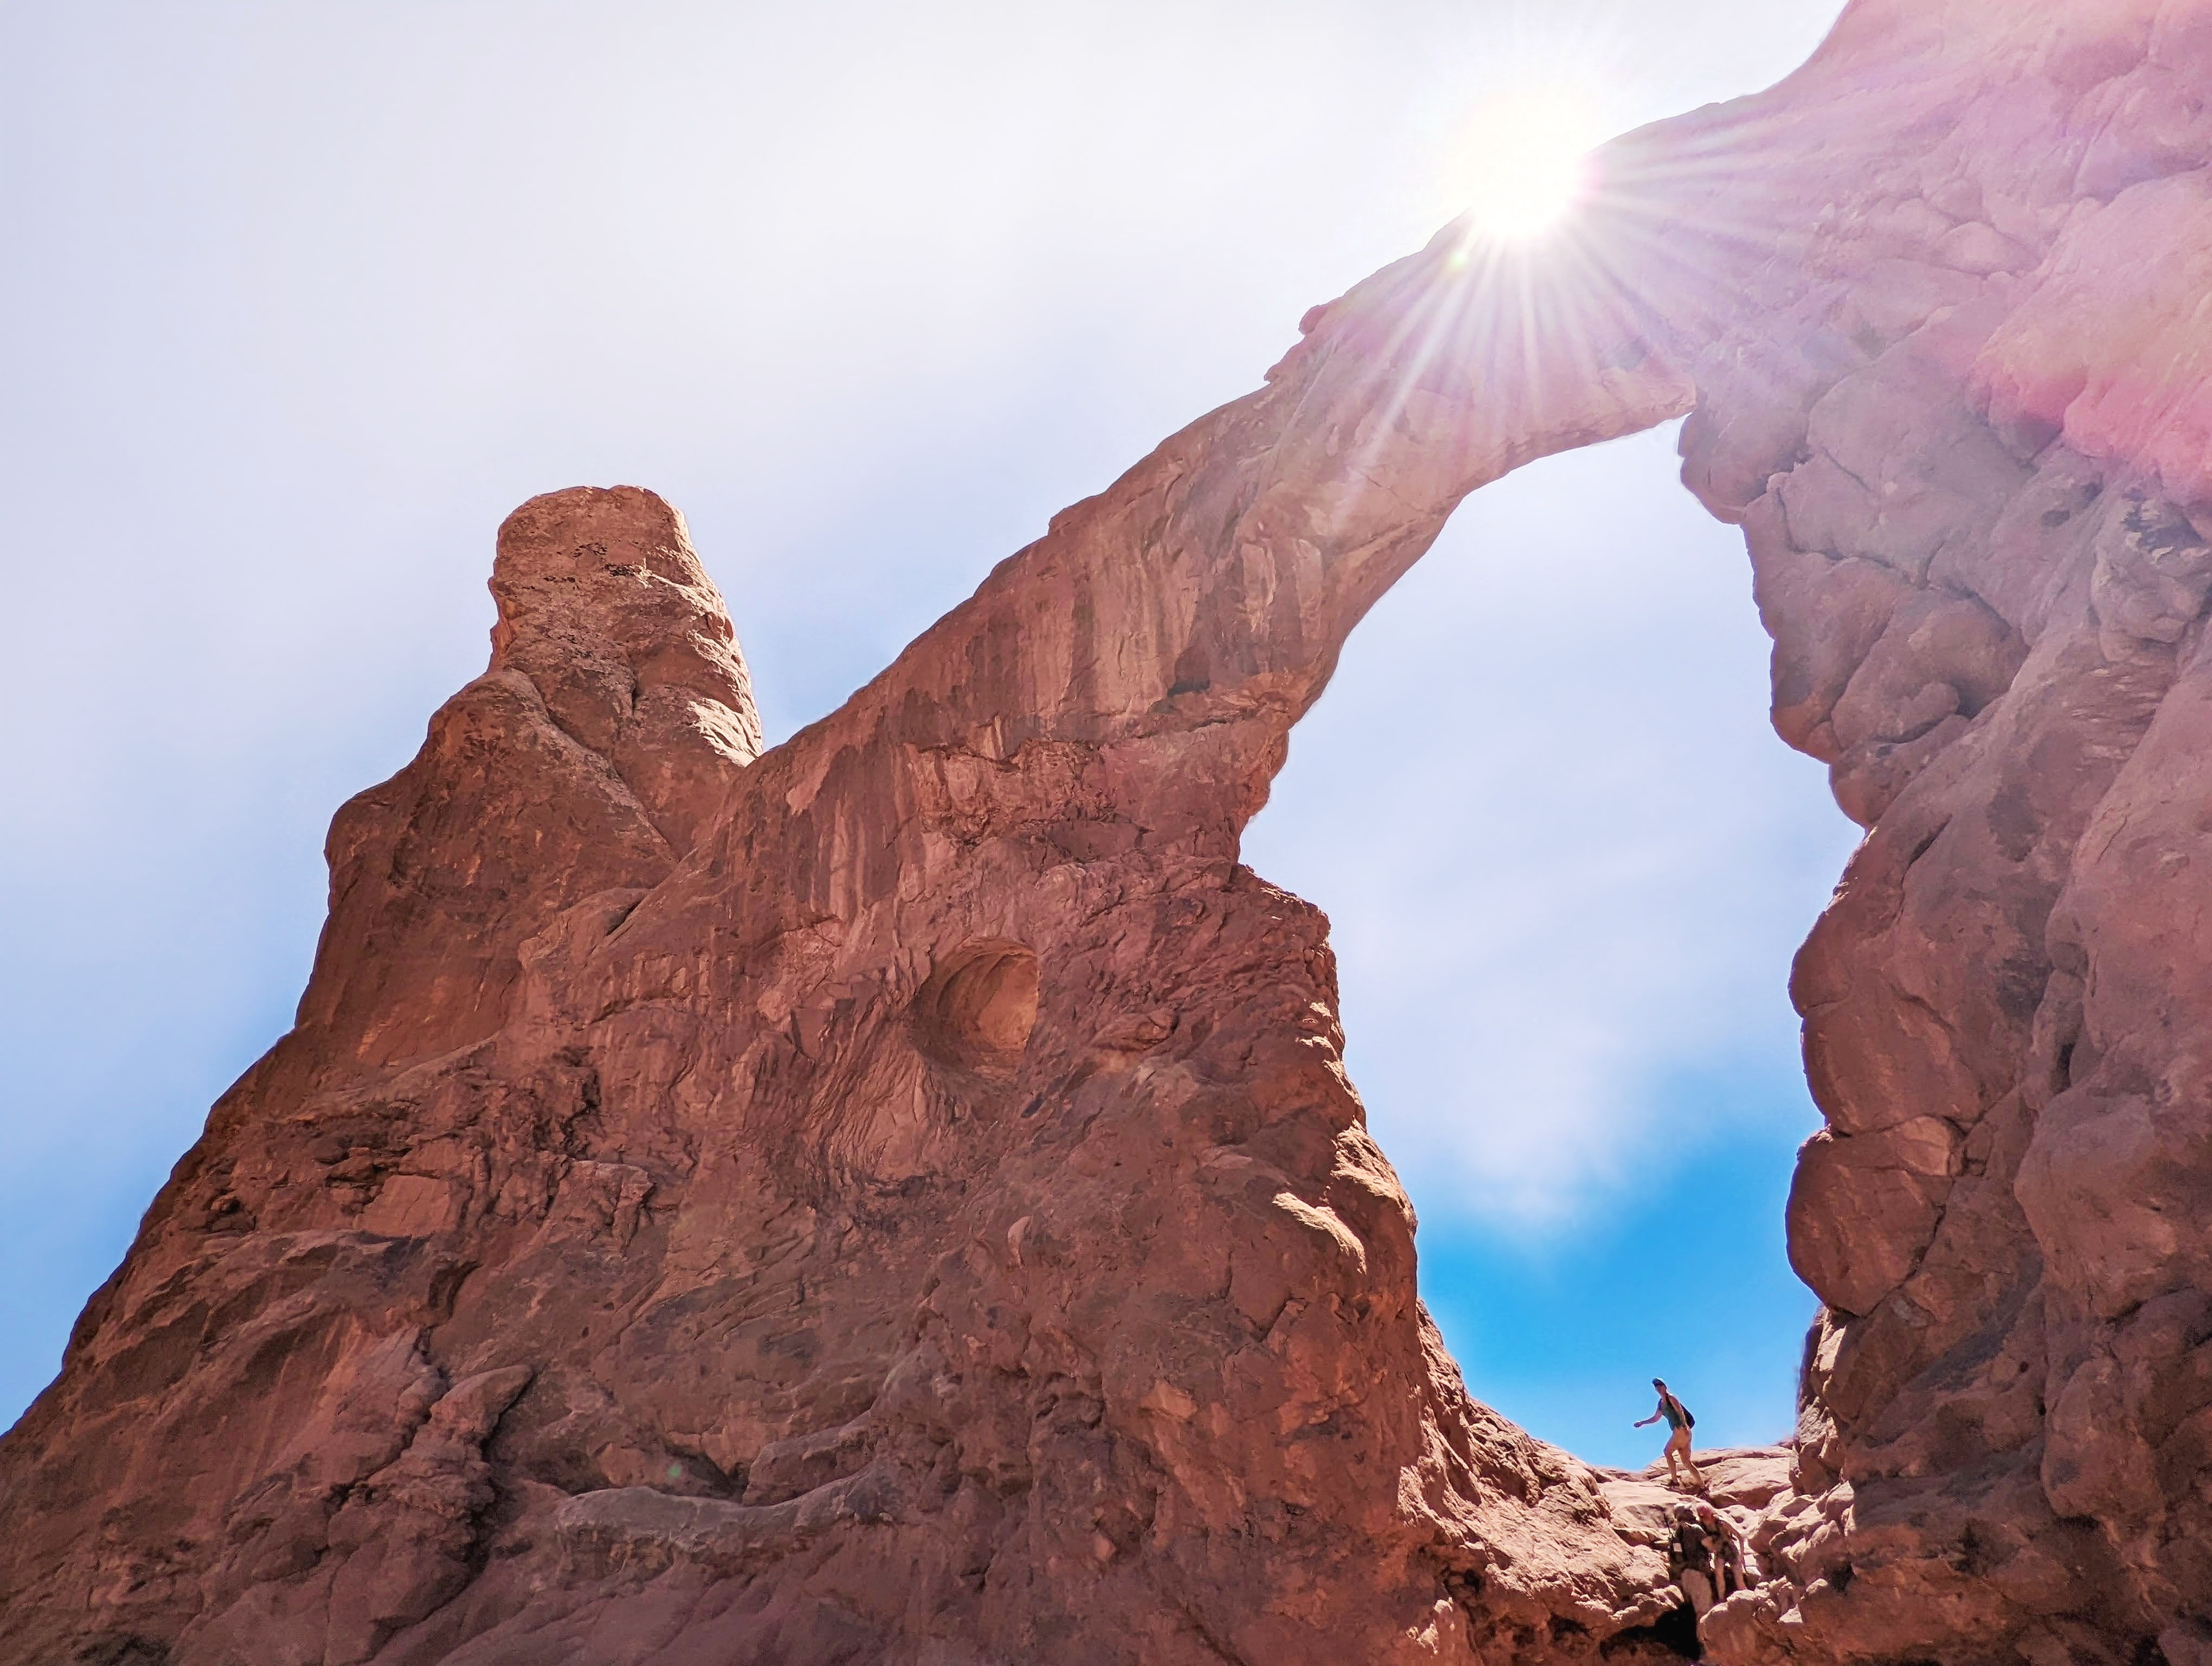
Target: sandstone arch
(599, 1271)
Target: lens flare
(1525, 161)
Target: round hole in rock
(979, 1005)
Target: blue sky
(299, 301)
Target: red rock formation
(896, 1196)
(893, 1197)
(1961, 408)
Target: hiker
(1695, 1557)
(1738, 1569)
(1678, 1425)
(1707, 1556)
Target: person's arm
(1654, 1418)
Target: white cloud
(1565, 860)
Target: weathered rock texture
(892, 1197)
(1962, 405)
(896, 1196)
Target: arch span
(603, 1270)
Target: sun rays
(1573, 261)
(1523, 160)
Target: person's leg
(1682, 1436)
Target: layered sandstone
(1960, 406)
(896, 1195)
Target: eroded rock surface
(896, 1196)
(893, 1197)
(1960, 406)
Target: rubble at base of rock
(896, 1195)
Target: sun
(1523, 160)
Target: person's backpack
(1688, 1421)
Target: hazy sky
(296, 301)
